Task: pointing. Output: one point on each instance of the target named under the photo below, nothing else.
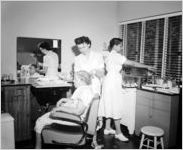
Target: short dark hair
(44, 45)
(82, 39)
(114, 41)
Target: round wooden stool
(153, 132)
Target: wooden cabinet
(16, 101)
(156, 109)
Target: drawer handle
(17, 95)
(19, 89)
(19, 92)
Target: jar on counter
(169, 82)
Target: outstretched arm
(139, 65)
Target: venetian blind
(156, 41)
(133, 41)
(153, 46)
(174, 48)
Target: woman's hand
(63, 100)
(151, 68)
(55, 109)
(98, 73)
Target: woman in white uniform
(112, 92)
(50, 61)
(90, 61)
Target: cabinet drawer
(20, 91)
(15, 91)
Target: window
(174, 48)
(153, 46)
(155, 41)
(133, 41)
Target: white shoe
(109, 131)
(121, 137)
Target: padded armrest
(60, 115)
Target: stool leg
(142, 140)
(147, 143)
(162, 145)
(155, 142)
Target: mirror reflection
(28, 52)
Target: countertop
(165, 91)
(15, 83)
(36, 84)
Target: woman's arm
(42, 71)
(139, 65)
(98, 72)
(78, 110)
(63, 100)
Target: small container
(26, 79)
(169, 83)
(161, 82)
(22, 79)
(11, 76)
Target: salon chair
(73, 135)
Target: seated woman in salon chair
(78, 104)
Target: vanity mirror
(28, 52)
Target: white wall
(68, 20)
(128, 10)
(60, 20)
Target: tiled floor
(108, 141)
(111, 143)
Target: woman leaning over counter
(112, 92)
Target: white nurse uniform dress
(111, 103)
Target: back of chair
(92, 116)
